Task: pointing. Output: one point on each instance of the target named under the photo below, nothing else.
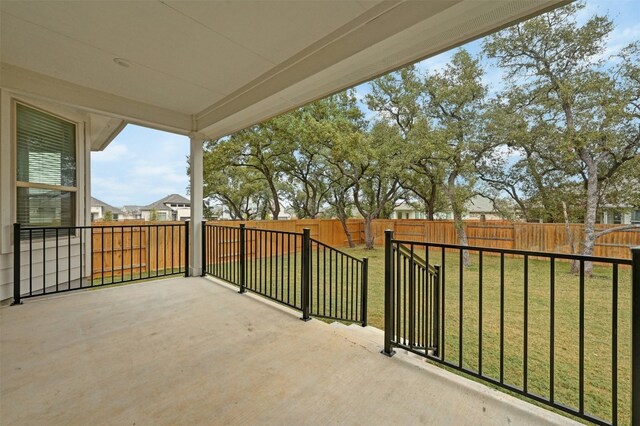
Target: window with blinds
(45, 169)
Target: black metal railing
(417, 299)
(58, 259)
(521, 320)
(280, 266)
(221, 253)
(338, 284)
(266, 262)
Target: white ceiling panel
(218, 66)
(150, 35)
(274, 30)
(34, 48)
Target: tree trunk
(264, 211)
(345, 228)
(457, 219)
(432, 202)
(368, 236)
(575, 265)
(275, 209)
(458, 224)
(590, 216)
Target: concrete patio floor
(193, 351)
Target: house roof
(480, 204)
(476, 204)
(217, 67)
(106, 207)
(161, 204)
(405, 207)
(131, 208)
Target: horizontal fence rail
(547, 237)
(562, 339)
(290, 268)
(57, 259)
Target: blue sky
(143, 165)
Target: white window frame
(8, 159)
(22, 184)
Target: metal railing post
(204, 248)
(365, 290)
(243, 260)
(186, 246)
(306, 272)
(635, 336)
(436, 314)
(412, 299)
(16, 265)
(388, 292)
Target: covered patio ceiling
(217, 67)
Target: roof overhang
(218, 67)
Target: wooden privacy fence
(329, 231)
(122, 248)
(135, 250)
(547, 237)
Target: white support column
(196, 183)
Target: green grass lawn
(597, 330)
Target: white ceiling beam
(38, 85)
(376, 24)
(384, 40)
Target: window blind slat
(46, 148)
(46, 154)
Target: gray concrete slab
(191, 351)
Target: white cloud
(621, 38)
(626, 35)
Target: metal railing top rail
(220, 226)
(530, 253)
(143, 225)
(409, 253)
(313, 240)
(274, 231)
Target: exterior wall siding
(8, 203)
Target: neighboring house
(100, 208)
(476, 208)
(223, 214)
(407, 211)
(132, 212)
(171, 207)
(284, 216)
(619, 216)
(481, 208)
